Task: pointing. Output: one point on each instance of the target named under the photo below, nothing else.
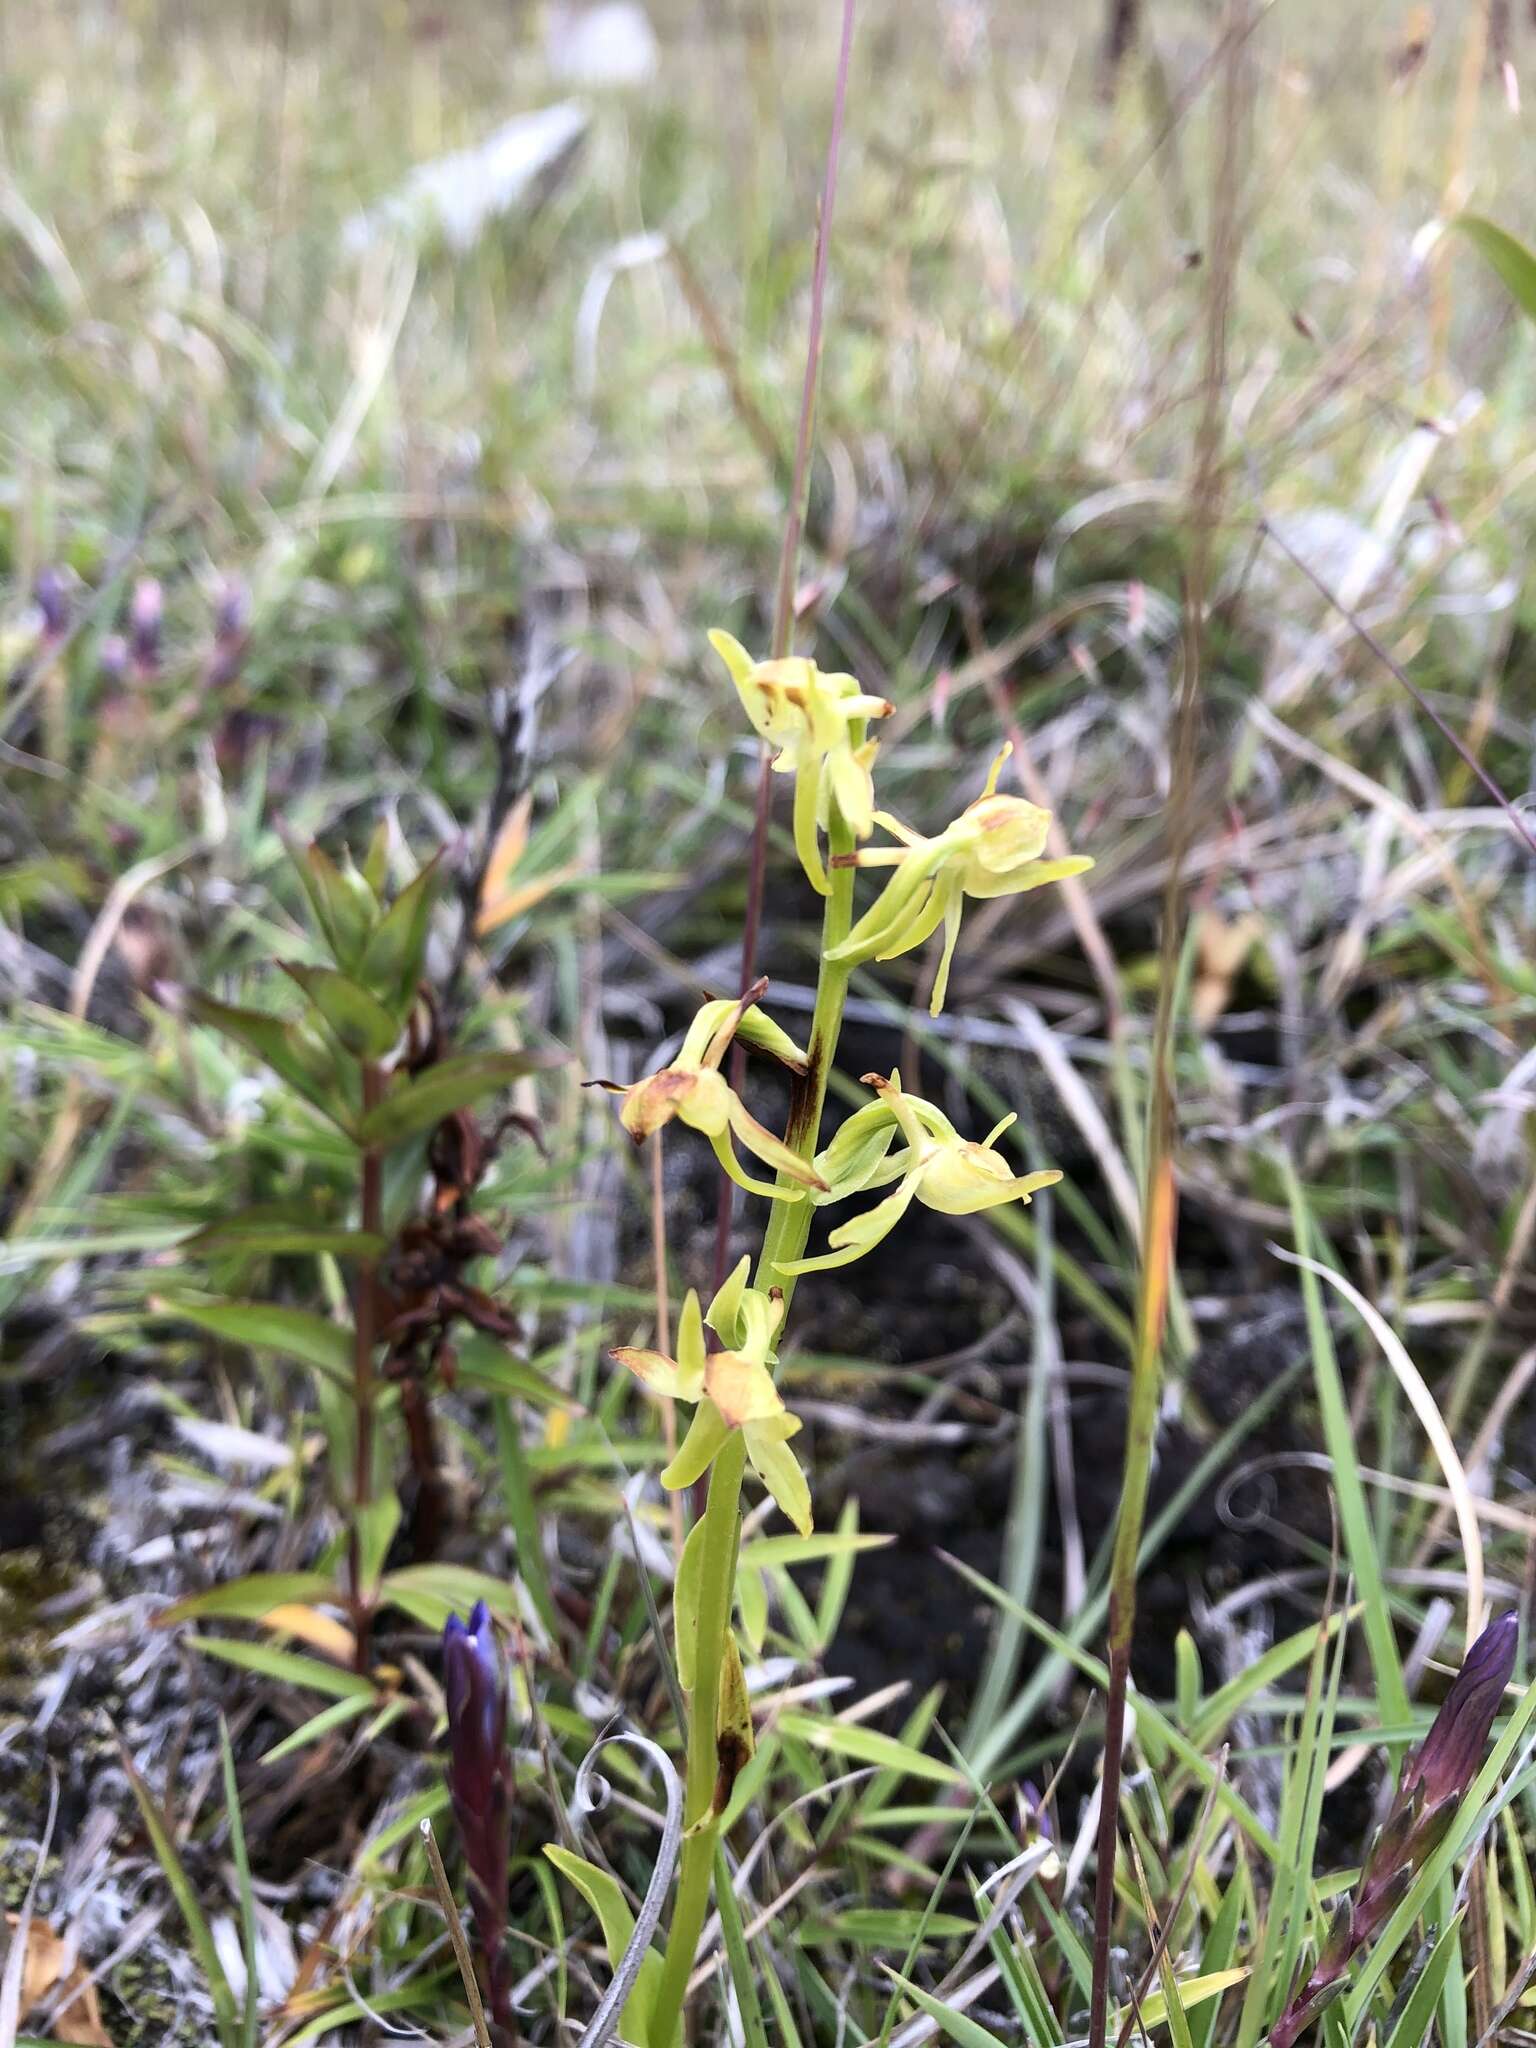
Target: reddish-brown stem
(426, 1468)
(364, 1326)
(1109, 1820)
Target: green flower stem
(789, 1225)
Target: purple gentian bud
(1448, 1759)
(51, 595)
(480, 1784)
(474, 1682)
(146, 611)
(231, 618)
(112, 660)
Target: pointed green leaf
(603, 1895)
(261, 1326)
(163, 1841)
(273, 1230)
(391, 961)
(308, 1068)
(959, 2026)
(336, 1715)
(413, 1106)
(429, 1593)
(360, 1021)
(288, 1667)
(867, 1746)
(1511, 261)
(486, 1362)
(249, 1598)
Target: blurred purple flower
(146, 613)
(231, 622)
(480, 1784)
(51, 594)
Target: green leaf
(685, 1604)
(293, 1332)
(603, 1895)
(1418, 2014)
(843, 1541)
(738, 1954)
(307, 1067)
(359, 1020)
(1510, 260)
(163, 1842)
(273, 1230)
(288, 1667)
(249, 1941)
(867, 1746)
(376, 860)
(376, 1524)
(429, 1593)
(892, 1926)
(391, 960)
(486, 1362)
(1348, 1486)
(523, 1514)
(248, 1599)
(343, 904)
(1192, 1991)
(336, 1715)
(417, 1105)
(959, 2026)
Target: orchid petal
(731, 1166)
(779, 1469)
(807, 797)
(771, 1149)
(697, 1452)
(652, 1368)
(860, 1234)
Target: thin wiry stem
(784, 598)
(1158, 1207)
(461, 1953)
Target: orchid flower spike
(993, 848)
(935, 1166)
(816, 721)
(734, 1389)
(694, 1089)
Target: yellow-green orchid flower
(816, 721)
(734, 1389)
(992, 849)
(935, 1166)
(693, 1089)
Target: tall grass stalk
(1159, 1201)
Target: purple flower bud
(1448, 1759)
(112, 659)
(475, 1685)
(1036, 1810)
(51, 594)
(146, 611)
(480, 1784)
(231, 618)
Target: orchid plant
(817, 725)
